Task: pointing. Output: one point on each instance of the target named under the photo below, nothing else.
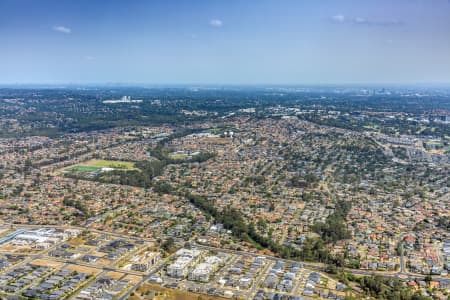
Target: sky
(224, 41)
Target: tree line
(234, 220)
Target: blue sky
(225, 41)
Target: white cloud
(360, 20)
(88, 57)
(216, 23)
(376, 22)
(338, 18)
(341, 19)
(62, 29)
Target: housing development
(265, 193)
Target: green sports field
(123, 165)
(96, 165)
(85, 169)
(177, 156)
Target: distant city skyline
(225, 42)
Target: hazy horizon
(267, 42)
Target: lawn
(83, 168)
(177, 156)
(373, 127)
(96, 165)
(110, 164)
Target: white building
(184, 260)
(201, 273)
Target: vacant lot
(169, 294)
(83, 269)
(47, 263)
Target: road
(115, 234)
(257, 283)
(301, 281)
(402, 255)
(322, 267)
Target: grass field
(96, 165)
(374, 127)
(110, 164)
(177, 156)
(82, 168)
